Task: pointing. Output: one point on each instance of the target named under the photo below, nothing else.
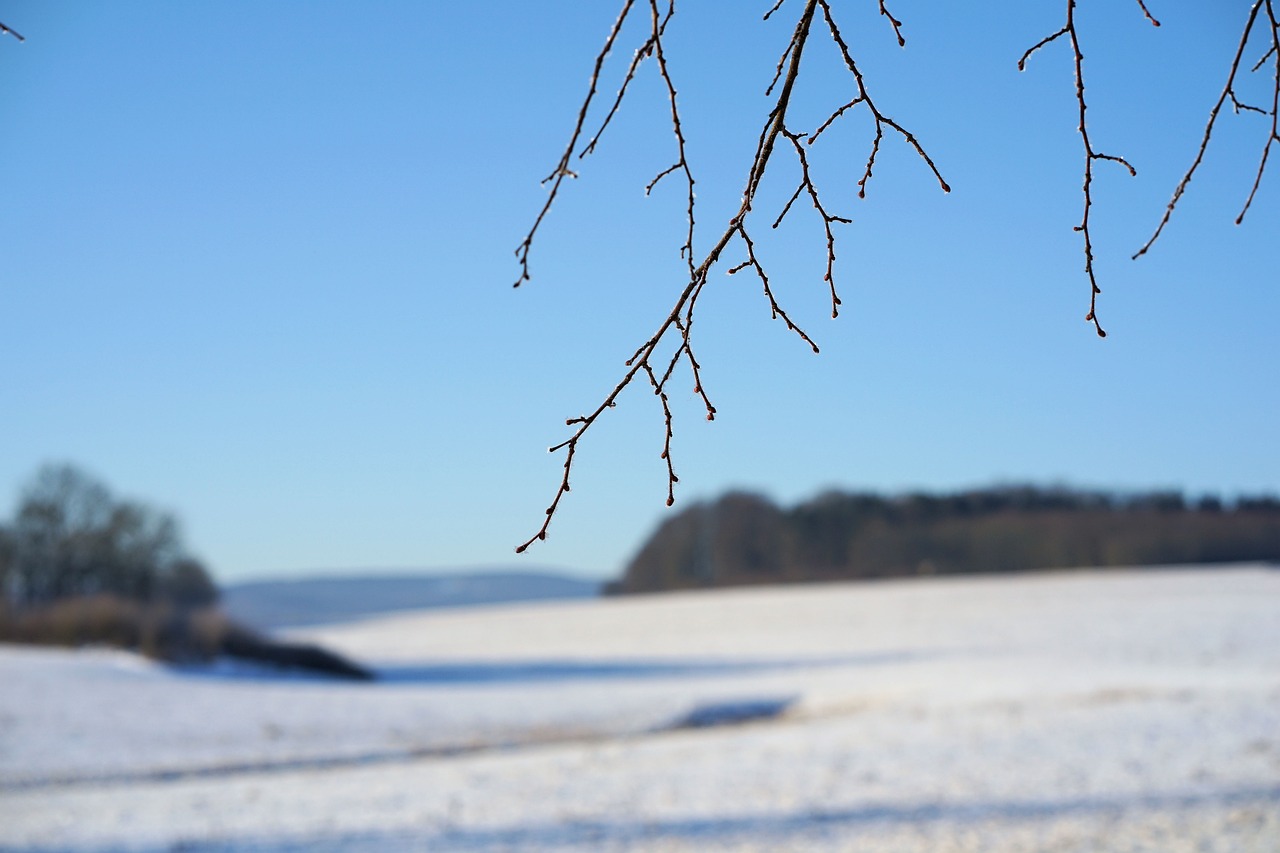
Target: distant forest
(745, 539)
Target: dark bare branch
(776, 310)
(806, 184)
(643, 53)
(1263, 59)
(1022, 63)
(672, 479)
(1090, 153)
(1274, 135)
(1229, 95)
(678, 326)
(880, 118)
(681, 314)
(682, 163)
(562, 170)
(895, 23)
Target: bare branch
(777, 74)
(572, 444)
(1261, 60)
(775, 309)
(4, 29)
(895, 23)
(880, 118)
(1090, 154)
(562, 171)
(680, 316)
(1229, 94)
(1238, 106)
(813, 137)
(806, 183)
(1274, 135)
(681, 164)
(1022, 63)
(672, 479)
(678, 326)
(643, 53)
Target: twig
(1270, 52)
(1090, 155)
(11, 31)
(880, 118)
(775, 309)
(1274, 135)
(806, 184)
(1229, 94)
(682, 162)
(641, 54)
(562, 170)
(896, 24)
(672, 479)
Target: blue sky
(256, 265)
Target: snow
(1135, 710)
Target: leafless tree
(671, 347)
(71, 537)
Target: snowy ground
(1060, 712)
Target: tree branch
(679, 321)
(1274, 135)
(1090, 154)
(562, 170)
(1229, 94)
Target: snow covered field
(1066, 712)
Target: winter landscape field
(1076, 711)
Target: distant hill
(268, 605)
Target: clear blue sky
(255, 267)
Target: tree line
(744, 538)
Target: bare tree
(71, 537)
(671, 347)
